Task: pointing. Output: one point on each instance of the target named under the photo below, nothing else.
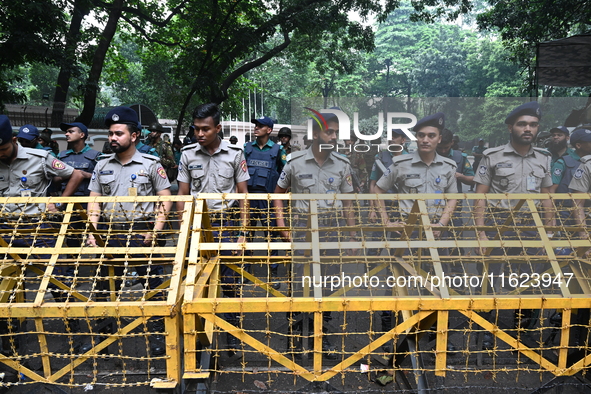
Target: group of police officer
(211, 165)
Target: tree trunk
(81, 9)
(98, 61)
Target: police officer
(423, 171)
(319, 170)
(28, 137)
(284, 136)
(383, 160)
(128, 172)
(233, 140)
(26, 172)
(213, 166)
(477, 152)
(517, 167)
(79, 155)
(581, 179)
(558, 144)
(264, 159)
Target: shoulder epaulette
(190, 146)
(295, 155)
(236, 147)
(340, 157)
(37, 152)
(493, 150)
(542, 150)
(149, 156)
(585, 159)
(104, 156)
(450, 161)
(400, 158)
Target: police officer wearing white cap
(128, 172)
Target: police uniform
(581, 182)
(410, 175)
(216, 173)
(264, 165)
(303, 174)
(506, 171)
(30, 174)
(85, 160)
(143, 174)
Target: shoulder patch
(161, 172)
(579, 173)
(57, 164)
(482, 170)
(557, 171)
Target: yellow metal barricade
(516, 302)
(83, 316)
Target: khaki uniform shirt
(30, 174)
(303, 174)
(409, 175)
(506, 171)
(581, 181)
(217, 173)
(144, 174)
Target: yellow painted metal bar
(96, 349)
(432, 250)
(409, 303)
(173, 349)
(261, 347)
(549, 250)
(43, 347)
(441, 343)
(256, 281)
(178, 266)
(317, 343)
(508, 339)
(403, 327)
(22, 369)
(315, 239)
(564, 338)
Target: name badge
(505, 165)
(413, 176)
(196, 167)
(305, 176)
(259, 163)
(106, 172)
(532, 184)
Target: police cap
(265, 121)
(580, 135)
(28, 132)
(435, 120)
(124, 115)
(399, 132)
(81, 126)
(561, 129)
(532, 109)
(5, 130)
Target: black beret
(435, 120)
(532, 109)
